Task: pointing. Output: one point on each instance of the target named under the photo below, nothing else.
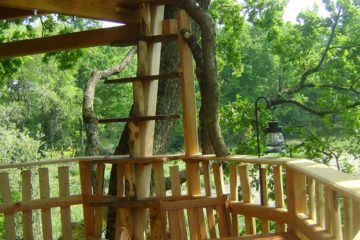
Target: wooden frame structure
(316, 196)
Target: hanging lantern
(275, 142)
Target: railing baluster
(348, 222)
(311, 193)
(356, 219)
(279, 193)
(234, 196)
(159, 182)
(320, 204)
(64, 191)
(26, 196)
(206, 173)
(99, 188)
(6, 195)
(329, 209)
(45, 194)
(219, 179)
(209, 211)
(177, 216)
(246, 194)
(336, 216)
(265, 229)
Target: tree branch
(278, 101)
(315, 69)
(333, 86)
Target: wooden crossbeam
(99, 37)
(139, 119)
(95, 9)
(152, 39)
(164, 76)
(131, 3)
(12, 13)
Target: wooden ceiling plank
(108, 10)
(128, 34)
(12, 13)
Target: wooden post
(329, 209)
(279, 193)
(64, 191)
(312, 200)
(86, 190)
(177, 217)
(159, 182)
(99, 188)
(6, 195)
(336, 216)
(234, 196)
(246, 194)
(45, 194)
(320, 204)
(145, 96)
(26, 196)
(189, 108)
(348, 215)
(265, 228)
(296, 195)
(219, 179)
(356, 219)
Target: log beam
(127, 34)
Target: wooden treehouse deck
(319, 202)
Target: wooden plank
(134, 3)
(279, 193)
(234, 196)
(320, 204)
(44, 184)
(139, 119)
(187, 90)
(86, 190)
(165, 76)
(265, 228)
(128, 34)
(312, 201)
(12, 13)
(40, 204)
(176, 192)
(26, 196)
(99, 190)
(95, 9)
(223, 228)
(151, 39)
(329, 210)
(348, 215)
(337, 217)
(201, 220)
(356, 219)
(193, 224)
(342, 183)
(246, 194)
(239, 159)
(200, 202)
(111, 159)
(6, 196)
(159, 182)
(64, 191)
(252, 210)
(219, 179)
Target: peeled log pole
(206, 72)
(89, 116)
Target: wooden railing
(318, 202)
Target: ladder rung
(149, 39)
(139, 119)
(164, 76)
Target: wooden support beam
(127, 34)
(95, 9)
(165, 76)
(139, 119)
(7, 13)
(151, 39)
(132, 3)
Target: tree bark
(207, 76)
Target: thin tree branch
(332, 86)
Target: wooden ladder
(153, 31)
